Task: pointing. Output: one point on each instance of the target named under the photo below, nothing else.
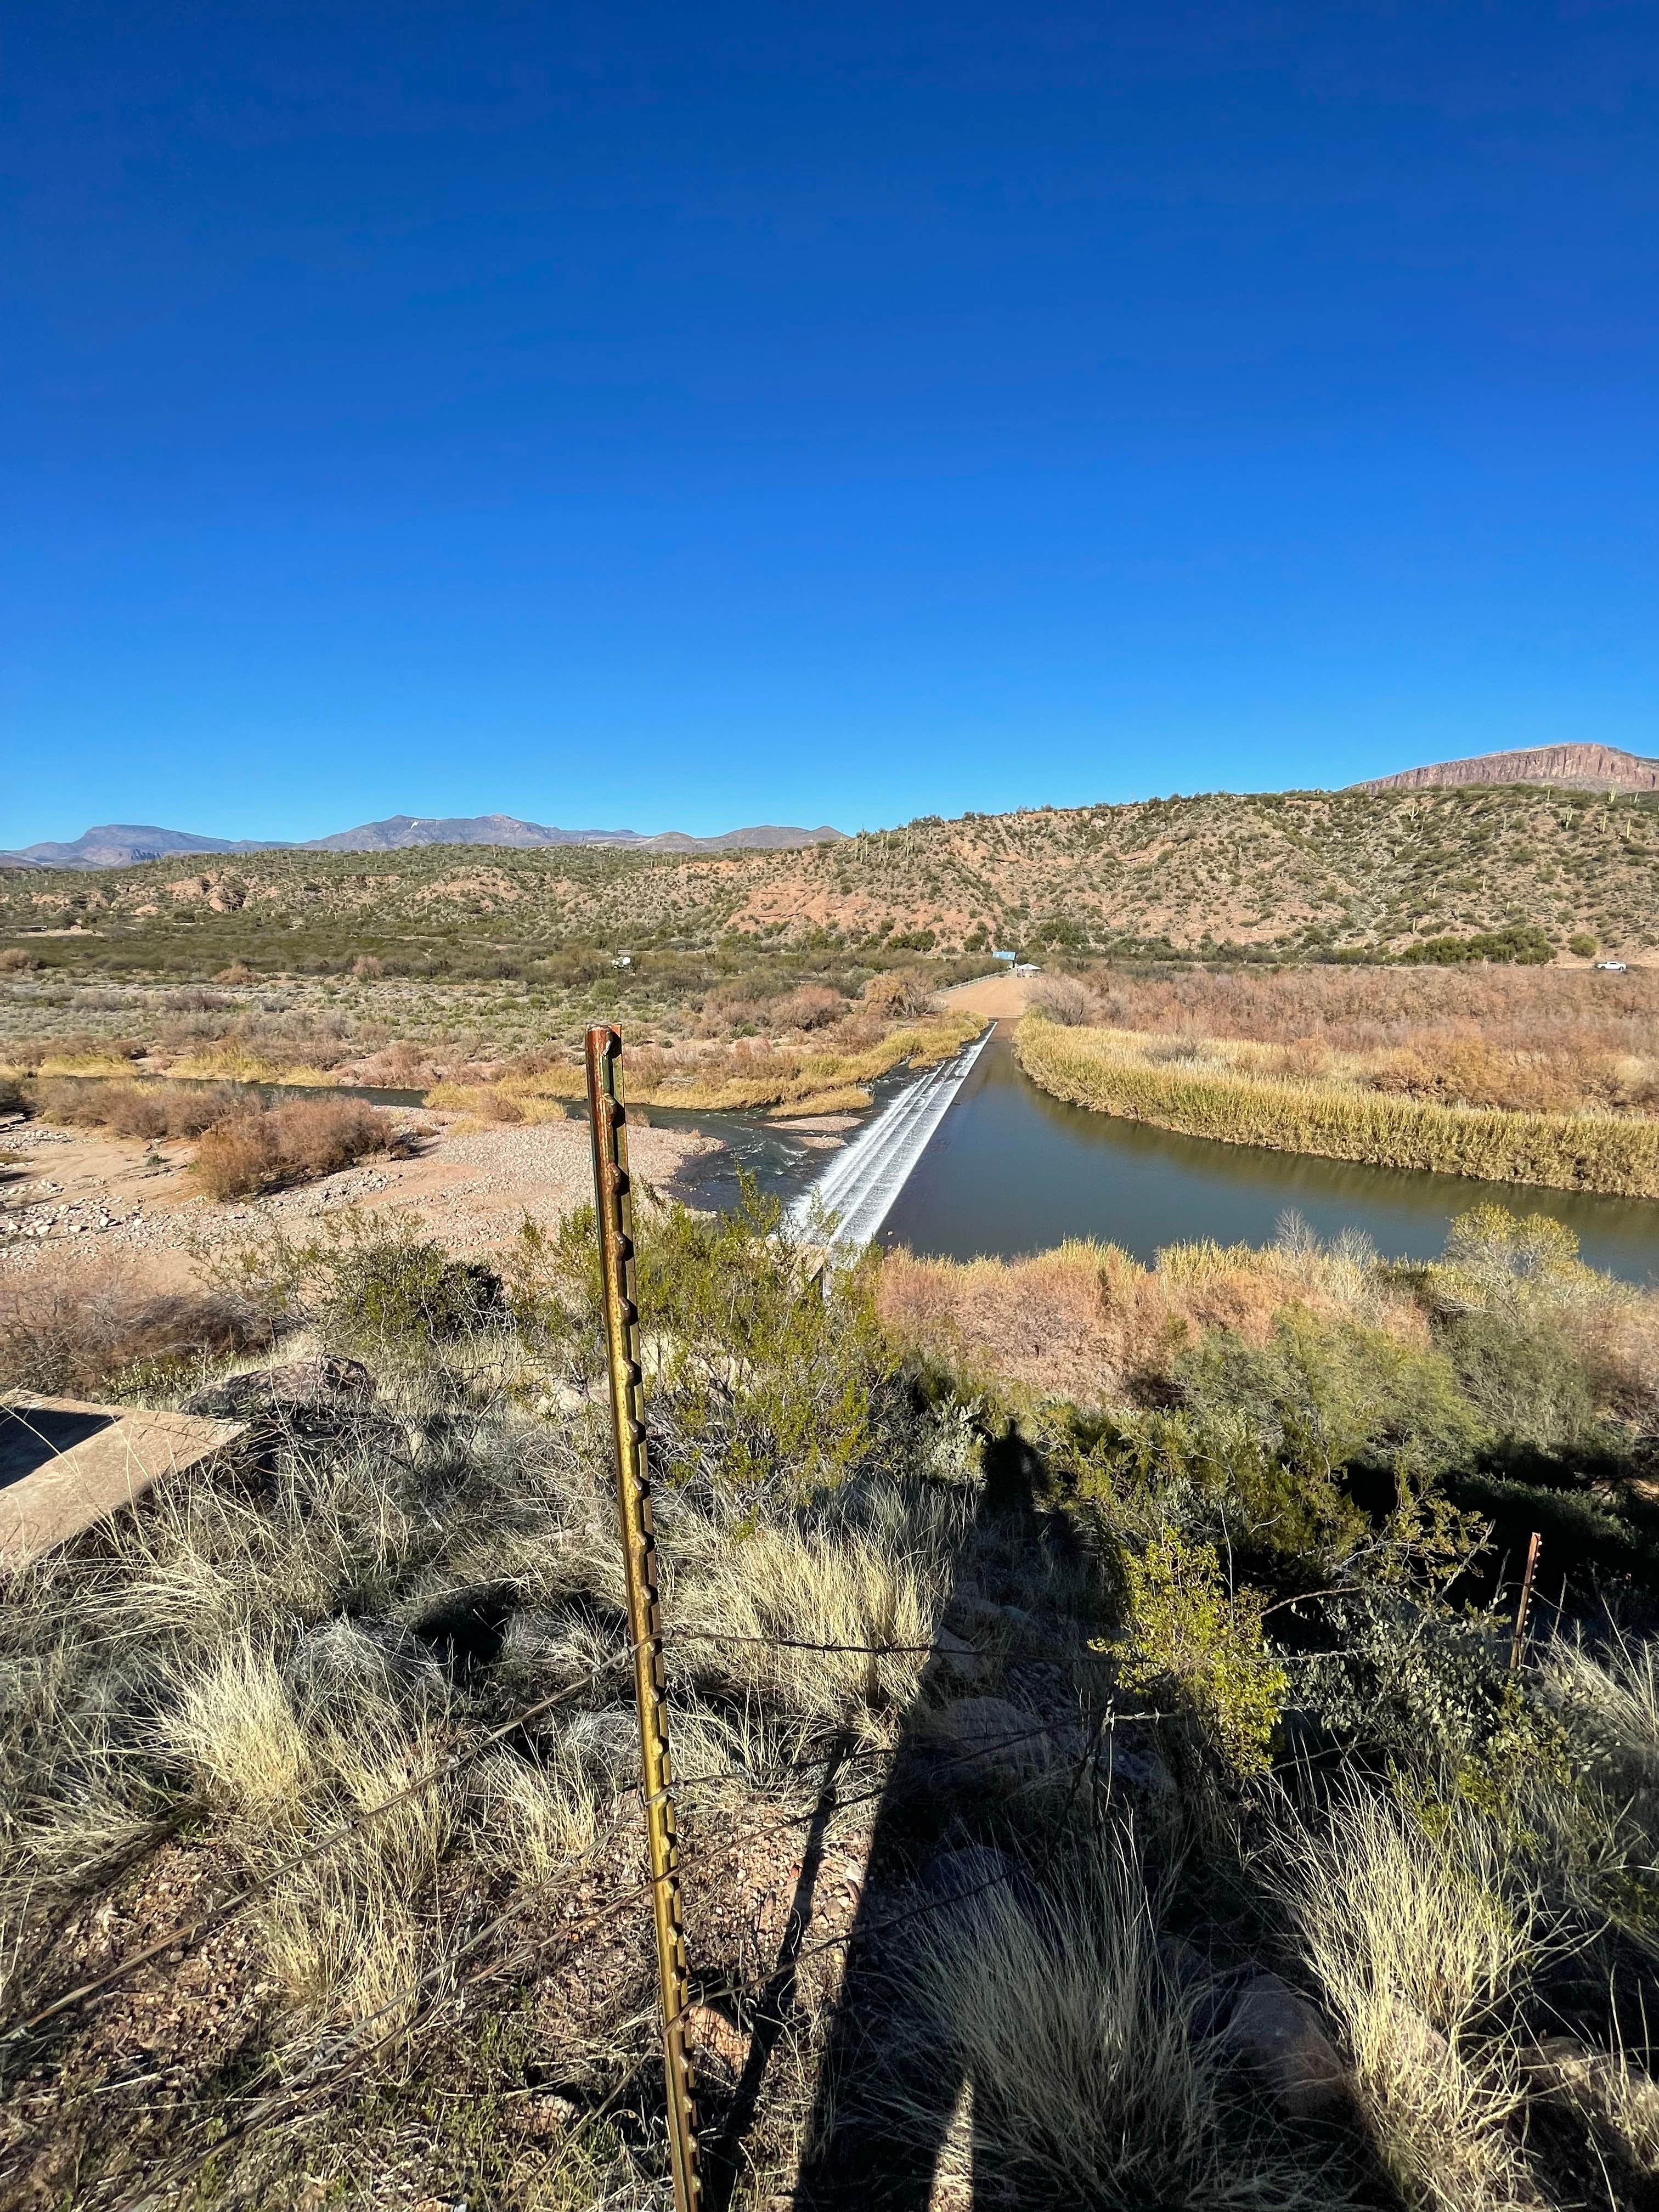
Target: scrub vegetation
(715, 1035)
(1549, 1078)
(1103, 1780)
(1526, 870)
(1230, 1092)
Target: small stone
(714, 2037)
(1282, 2039)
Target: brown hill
(1576, 768)
(1288, 873)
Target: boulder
(306, 1393)
(1282, 2039)
(954, 1655)
(981, 1740)
(1572, 2072)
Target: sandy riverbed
(86, 1191)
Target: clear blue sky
(688, 415)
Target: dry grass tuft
(71, 1325)
(1090, 2081)
(882, 1579)
(1413, 1942)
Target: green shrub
(765, 1368)
(1523, 944)
(1188, 1634)
(367, 1283)
(1328, 1395)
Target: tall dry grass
(1523, 1010)
(882, 1578)
(1115, 1072)
(1082, 2051)
(1416, 1941)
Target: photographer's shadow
(880, 2126)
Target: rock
(1563, 2068)
(1137, 1770)
(968, 1881)
(1282, 2039)
(955, 1654)
(981, 1739)
(307, 1388)
(718, 2045)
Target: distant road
(997, 998)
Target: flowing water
(860, 1184)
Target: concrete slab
(65, 1463)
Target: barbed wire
(232, 1907)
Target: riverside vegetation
(1212, 1844)
(801, 1035)
(1550, 1078)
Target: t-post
(614, 1204)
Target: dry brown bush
(1528, 1039)
(133, 1110)
(1364, 1009)
(899, 991)
(13, 960)
(1064, 999)
(68, 1325)
(810, 1006)
(405, 1066)
(30, 1053)
(251, 1150)
(1083, 1322)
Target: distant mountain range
(1578, 768)
(123, 844)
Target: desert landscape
(829, 1109)
(1037, 1626)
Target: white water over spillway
(860, 1184)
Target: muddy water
(1011, 1170)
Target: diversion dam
(859, 1184)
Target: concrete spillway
(859, 1185)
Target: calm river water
(1011, 1170)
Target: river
(974, 1158)
(1010, 1169)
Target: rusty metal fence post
(1519, 1645)
(614, 1205)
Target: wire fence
(447, 1978)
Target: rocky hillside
(1575, 768)
(1291, 874)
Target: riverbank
(1229, 1096)
(830, 1071)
